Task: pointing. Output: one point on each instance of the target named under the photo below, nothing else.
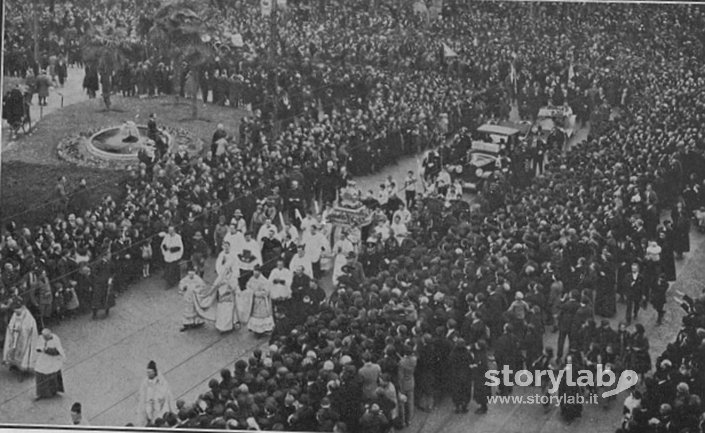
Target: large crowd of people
(671, 400)
(436, 290)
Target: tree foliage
(181, 27)
(106, 46)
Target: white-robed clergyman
(50, 361)
(226, 312)
(198, 300)
(280, 280)
(155, 397)
(19, 351)
(262, 316)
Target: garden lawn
(31, 167)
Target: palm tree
(180, 28)
(105, 47)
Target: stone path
(71, 93)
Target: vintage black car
(479, 165)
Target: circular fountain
(117, 147)
(122, 143)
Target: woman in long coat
(570, 393)
(90, 81)
(668, 261)
(43, 85)
(13, 106)
(482, 391)
(425, 375)
(639, 359)
(681, 225)
(461, 385)
(605, 293)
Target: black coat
(459, 368)
(681, 225)
(102, 295)
(634, 288)
(658, 295)
(506, 351)
(566, 314)
(668, 261)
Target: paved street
(107, 357)
(107, 360)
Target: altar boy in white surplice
(280, 280)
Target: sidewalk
(71, 93)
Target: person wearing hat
(262, 316)
(20, 339)
(302, 259)
(155, 397)
(357, 273)
(374, 420)
(43, 84)
(50, 361)
(172, 251)
(371, 256)
(246, 262)
(77, 417)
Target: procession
(347, 216)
